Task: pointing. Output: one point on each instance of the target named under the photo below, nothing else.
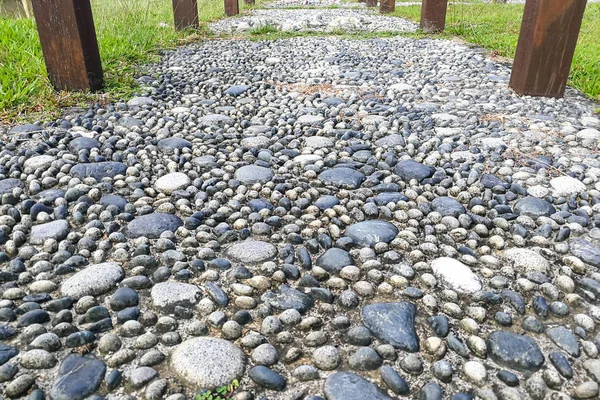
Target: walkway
(312, 218)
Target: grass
(220, 393)
(265, 29)
(496, 28)
(130, 33)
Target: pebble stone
(317, 217)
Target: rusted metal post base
(232, 7)
(371, 3)
(433, 15)
(68, 38)
(185, 13)
(387, 6)
(546, 45)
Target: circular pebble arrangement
(314, 218)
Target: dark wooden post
(387, 6)
(232, 7)
(185, 13)
(433, 15)
(546, 45)
(68, 38)
(371, 3)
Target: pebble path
(315, 217)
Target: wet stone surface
(316, 217)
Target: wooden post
(387, 6)
(371, 3)
(185, 13)
(549, 32)
(68, 38)
(433, 15)
(232, 7)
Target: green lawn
(496, 28)
(130, 32)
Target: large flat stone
(94, 280)
(342, 177)
(585, 250)
(152, 225)
(167, 295)
(368, 233)
(38, 162)
(7, 185)
(518, 352)
(393, 323)
(169, 183)
(251, 252)
(525, 260)
(215, 120)
(251, 174)
(287, 298)
(207, 362)
(99, 170)
(334, 259)
(349, 386)
(534, 207)
(57, 230)
(410, 169)
(455, 275)
(78, 377)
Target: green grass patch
(496, 28)
(265, 29)
(220, 393)
(130, 33)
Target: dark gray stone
(152, 225)
(534, 207)
(410, 169)
(334, 259)
(25, 128)
(565, 339)
(365, 359)
(78, 377)
(251, 174)
(447, 206)
(287, 298)
(515, 351)
(173, 143)
(6, 353)
(368, 233)
(99, 170)
(389, 197)
(325, 202)
(342, 177)
(391, 140)
(585, 250)
(83, 143)
(393, 323)
(237, 90)
(7, 185)
(349, 386)
(114, 200)
(267, 378)
(57, 230)
(393, 380)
